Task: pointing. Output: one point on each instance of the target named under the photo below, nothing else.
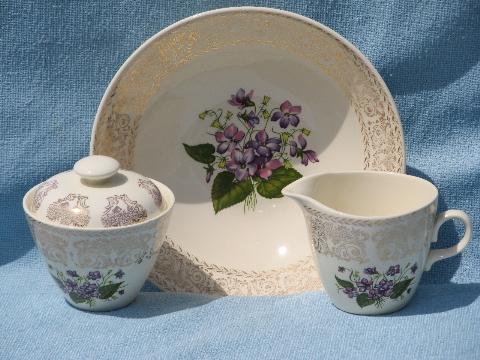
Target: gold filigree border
(176, 270)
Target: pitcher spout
(302, 191)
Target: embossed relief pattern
(397, 242)
(394, 238)
(71, 210)
(337, 240)
(98, 249)
(53, 247)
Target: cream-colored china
(96, 195)
(99, 230)
(226, 108)
(370, 235)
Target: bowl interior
(162, 100)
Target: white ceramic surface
(182, 88)
(96, 194)
(98, 266)
(370, 235)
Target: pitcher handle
(440, 254)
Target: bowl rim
(166, 192)
(228, 10)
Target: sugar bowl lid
(96, 194)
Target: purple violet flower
(88, 290)
(351, 292)
(119, 274)
(414, 268)
(287, 114)
(364, 284)
(393, 270)
(266, 171)
(251, 119)
(94, 275)
(384, 287)
(69, 286)
(72, 273)
(306, 155)
(263, 145)
(370, 271)
(242, 164)
(373, 294)
(228, 138)
(209, 174)
(240, 99)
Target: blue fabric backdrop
(56, 60)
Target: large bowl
(174, 106)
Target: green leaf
(344, 283)
(202, 153)
(76, 299)
(281, 177)
(249, 102)
(226, 192)
(400, 287)
(202, 115)
(107, 291)
(363, 300)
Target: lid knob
(96, 167)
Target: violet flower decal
(287, 115)
(228, 139)
(240, 99)
(393, 270)
(376, 288)
(72, 273)
(242, 164)
(370, 271)
(94, 275)
(299, 151)
(92, 287)
(251, 119)
(414, 268)
(254, 152)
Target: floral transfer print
(374, 288)
(121, 211)
(252, 151)
(42, 192)
(72, 210)
(91, 287)
(152, 190)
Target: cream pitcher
(370, 235)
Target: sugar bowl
(99, 230)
